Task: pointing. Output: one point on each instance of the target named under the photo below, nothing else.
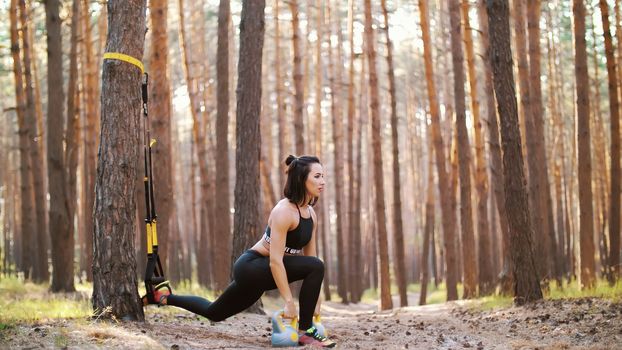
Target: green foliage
(573, 290)
(28, 302)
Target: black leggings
(251, 277)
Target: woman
(285, 253)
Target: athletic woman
(285, 253)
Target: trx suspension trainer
(154, 274)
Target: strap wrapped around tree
(154, 274)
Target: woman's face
(315, 180)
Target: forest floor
(580, 323)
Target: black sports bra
(296, 238)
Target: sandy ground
(561, 324)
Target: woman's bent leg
(311, 270)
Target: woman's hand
(289, 311)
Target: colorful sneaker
(160, 293)
(313, 338)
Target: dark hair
(298, 169)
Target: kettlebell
(317, 323)
(283, 334)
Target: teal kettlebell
(283, 334)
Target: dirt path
(568, 324)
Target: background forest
(394, 97)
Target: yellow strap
(154, 233)
(125, 58)
(149, 240)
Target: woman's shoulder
(283, 210)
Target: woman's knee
(316, 265)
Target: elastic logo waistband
(288, 250)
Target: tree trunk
(342, 280)
(398, 234)
(247, 188)
(222, 225)
(429, 222)
(160, 98)
(198, 134)
(35, 138)
(448, 215)
(62, 236)
(587, 277)
(614, 108)
(298, 84)
(537, 218)
(383, 249)
(526, 281)
(27, 212)
(114, 264)
(484, 257)
(543, 185)
(72, 131)
(91, 131)
(464, 155)
(496, 167)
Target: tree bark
(35, 138)
(464, 155)
(298, 84)
(160, 103)
(587, 276)
(398, 234)
(27, 211)
(336, 117)
(526, 281)
(383, 249)
(448, 215)
(247, 187)
(614, 109)
(72, 131)
(484, 257)
(222, 226)
(537, 112)
(114, 264)
(62, 237)
(496, 168)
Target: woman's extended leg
(232, 301)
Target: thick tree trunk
(160, 105)
(496, 167)
(398, 234)
(114, 264)
(383, 249)
(614, 108)
(61, 234)
(484, 257)
(587, 276)
(246, 222)
(223, 225)
(526, 281)
(448, 215)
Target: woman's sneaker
(160, 293)
(313, 338)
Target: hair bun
(290, 159)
